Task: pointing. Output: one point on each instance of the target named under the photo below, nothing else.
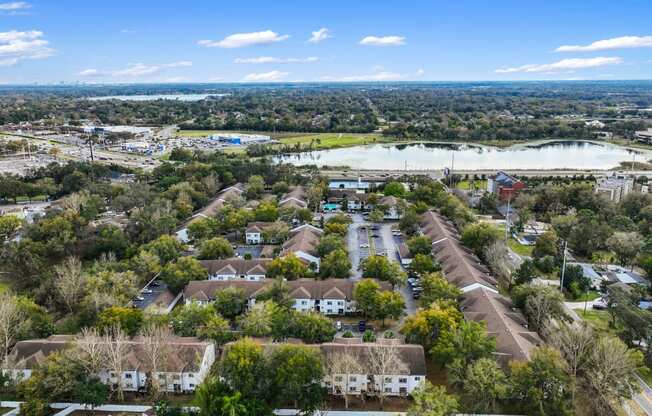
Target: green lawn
(4, 286)
(588, 296)
(465, 185)
(599, 320)
(519, 248)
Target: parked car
(138, 298)
(599, 304)
(362, 326)
(416, 295)
(338, 325)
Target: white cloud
(274, 60)
(420, 72)
(91, 72)
(15, 5)
(176, 79)
(239, 40)
(127, 31)
(623, 42)
(266, 76)
(16, 46)
(383, 40)
(215, 79)
(564, 65)
(134, 70)
(319, 35)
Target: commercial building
(644, 135)
(240, 139)
(505, 186)
(614, 187)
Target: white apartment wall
(254, 238)
(250, 277)
(394, 385)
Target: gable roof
(514, 341)
(304, 238)
(412, 355)
(295, 198)
(236, 265)
(257, 226)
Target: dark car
(362, 326)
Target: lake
(178, 97)
(436, 156)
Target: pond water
(436, 156)
(178, 97)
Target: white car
(364, 245)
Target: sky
(141, 41)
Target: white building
(303, 243)
(644, 135)
(330, 296)
(184, 368)
(614, 187)
(236, 269)
(254, 232)
(393, 211)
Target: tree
(426, 326)
(329, 243)
(266, 211)
(479, 236)
(297, 372)
(575, 341)
(244, 369)
(91, 351)
(485, 384)
(288, 267)
(336, 264)
(279, 188)
(177, 275)
(420, 245)
(390, 304)
(255, 187)
(187, 319)
(10, 318)
(409, 223)
(394, 188)
(376, 216)
(543, 383)
(422, 264)
(612, 372)
(69, 282)
(365, 295)
(216, 329)
(437, 288)
(276, 232)
(166, 247)
(128, 320)
(525, 273)
(312, 327)
(203, 228)
(215, 248)
(336, 228)
(340, 366)
(116, 349)
(432, 400)
(575, 282)
(258, 321)
(385, 360)
(542, 304)
(9, 224)
(381, 268)
(230, 302)
(626, 246)
(546, 245)
(468, 342)
(156, 348)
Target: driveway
(392, 254)
(353, 242)
(644, 398)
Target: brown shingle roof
(236, 266)
(257, 227)
(295, 198)
(460, 267)
(304, 238)
(514, 340)
(411, 354)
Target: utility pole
(507, 225)
(90, 144)
(563, 268)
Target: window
(304, 302)
(338, 378)
(191, 375)
(329, 303)
(402, 390)
(388, 389)
(192, 386)
(353, 379)
(417, 378)
(388, 379)
(352, 388)
(128, 375)
(402, 380)
(176, 377)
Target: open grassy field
(319, 140)
(599, 320)
(466, 185)
(519, 248)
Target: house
(392, 205)
(296, 198)
(614, 187)
(330, 296)
(184, 368)
(302, 242)
(514, 341)
(481, 300)
(356, 200)
(254, 232)
(404, 254)
(505, 186)
(644, 135)
(401, 384)
(236, 269)
(227, 194)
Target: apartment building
(236, 269)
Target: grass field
(319, 140)
(466, 185)
(599, 320)
(519, 248)
(588, 296)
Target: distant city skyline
(262, 41)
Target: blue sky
(200, 41)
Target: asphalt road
(392, 254)
(644, 398)
(354, 246)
